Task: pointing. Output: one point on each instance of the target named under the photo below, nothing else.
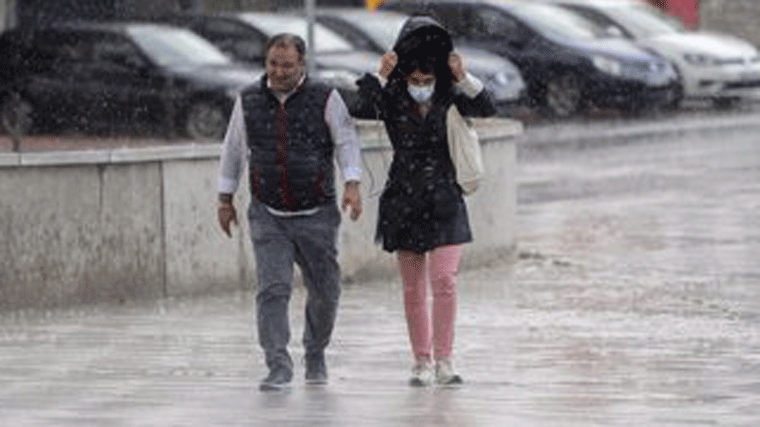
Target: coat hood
(422, 34)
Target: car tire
(676, 98)
(562, 95)
(205, 120)
(17, 115)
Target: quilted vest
(291, 150)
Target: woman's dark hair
(426, 49)
(438, 65)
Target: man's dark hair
(286, 40)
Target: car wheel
(17, 115)
(562, 98)
(676, 98)
(205, 120)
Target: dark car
(95, 77)
(567, 61)
(378, 30)
(243, 35)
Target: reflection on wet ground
(634, 302)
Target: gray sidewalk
(547, 343)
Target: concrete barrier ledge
(186, 151)
(10, 159)
(140, 222)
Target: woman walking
(422, 214)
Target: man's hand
(226, 213)
(352, 197)
(457, 66)
(387, 63)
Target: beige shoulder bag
(464, 149)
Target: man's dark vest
(291, 166)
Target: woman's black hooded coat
(421, 206)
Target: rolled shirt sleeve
(345, 137)
(234, 157)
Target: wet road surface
(634, 301)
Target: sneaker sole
(316, 381)
(450, 382)
(274, 387)
(416, 382)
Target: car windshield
(643, 20)
(170, 46)
(558, 22)
(325, 39)
(383, 29)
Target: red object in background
(685, 10)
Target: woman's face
(418, 78)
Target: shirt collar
(282, 96)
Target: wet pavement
(634, 301)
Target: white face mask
(421, 94)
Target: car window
(643, 20)
(63, 46)
(172, 46)
(325, 40)
(557, 22)
(493, 24)
(599, 18)
(116, 50)
(384, 30)
(458, 20)
(381, 30)
(241, 41)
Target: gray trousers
(310, 242)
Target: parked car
(94, 77)
(568, 62)
(378, 30)
(714, 66)
(243, 35)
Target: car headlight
(608, 65)
(698, 59)
(503, 78)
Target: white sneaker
(422, 374)
(444, 373)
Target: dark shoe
(278, 380)
(316, 370)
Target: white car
(719, 67)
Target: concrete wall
(125, 224)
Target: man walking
(288, 129)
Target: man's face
(284, 68)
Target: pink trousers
(431, 338)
